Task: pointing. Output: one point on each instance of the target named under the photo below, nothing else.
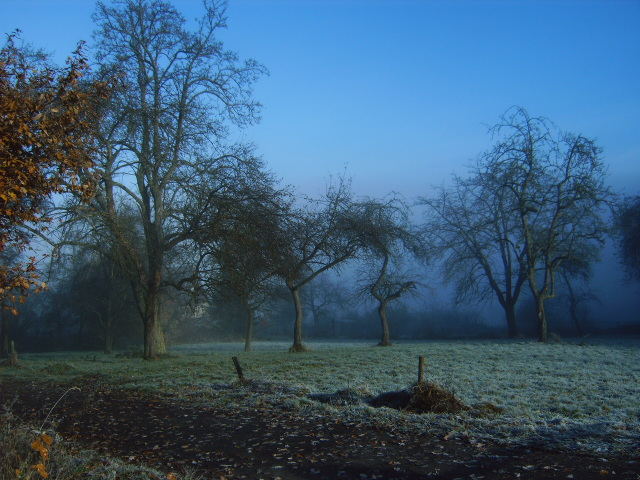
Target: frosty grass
(566, 395)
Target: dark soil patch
(397, 400)
(275, 443)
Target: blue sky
(400, 93)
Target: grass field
(576, 396)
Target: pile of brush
(420, 398)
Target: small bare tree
(322, 297)
(388, 241)
(315, 239)
(575, 275)
(241, 247)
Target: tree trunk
(80, 333)
(107, 324)
(385, 341)
(297, 326)
(539, 296)
(248, 333)
(107, 327)
(317, 329)
(154, 344)
(542, 319)
(315, 310)
(4, 332)
(510, 313)
(108, 343)
(13, 355)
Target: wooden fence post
(238, 368)
(421, 370)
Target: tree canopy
(45, 145)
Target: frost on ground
(557, 395)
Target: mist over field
(313, 239)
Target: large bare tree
(471, 229)
(163, 143)
(556, 190)
(533, 203)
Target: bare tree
(471, 228)
(387, 242)
(240, 246)
(96, 295)
(556, 189)
(322, 297)
(627, 225)
(104, 293)
(574, 277)
(315, 239)
(162, 145)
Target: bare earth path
(273, 443)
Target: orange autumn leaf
(39, 447)
(42, 471)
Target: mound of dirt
(421, 398)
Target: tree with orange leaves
(46, 117)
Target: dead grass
(432, 398)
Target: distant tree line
(160, 223)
